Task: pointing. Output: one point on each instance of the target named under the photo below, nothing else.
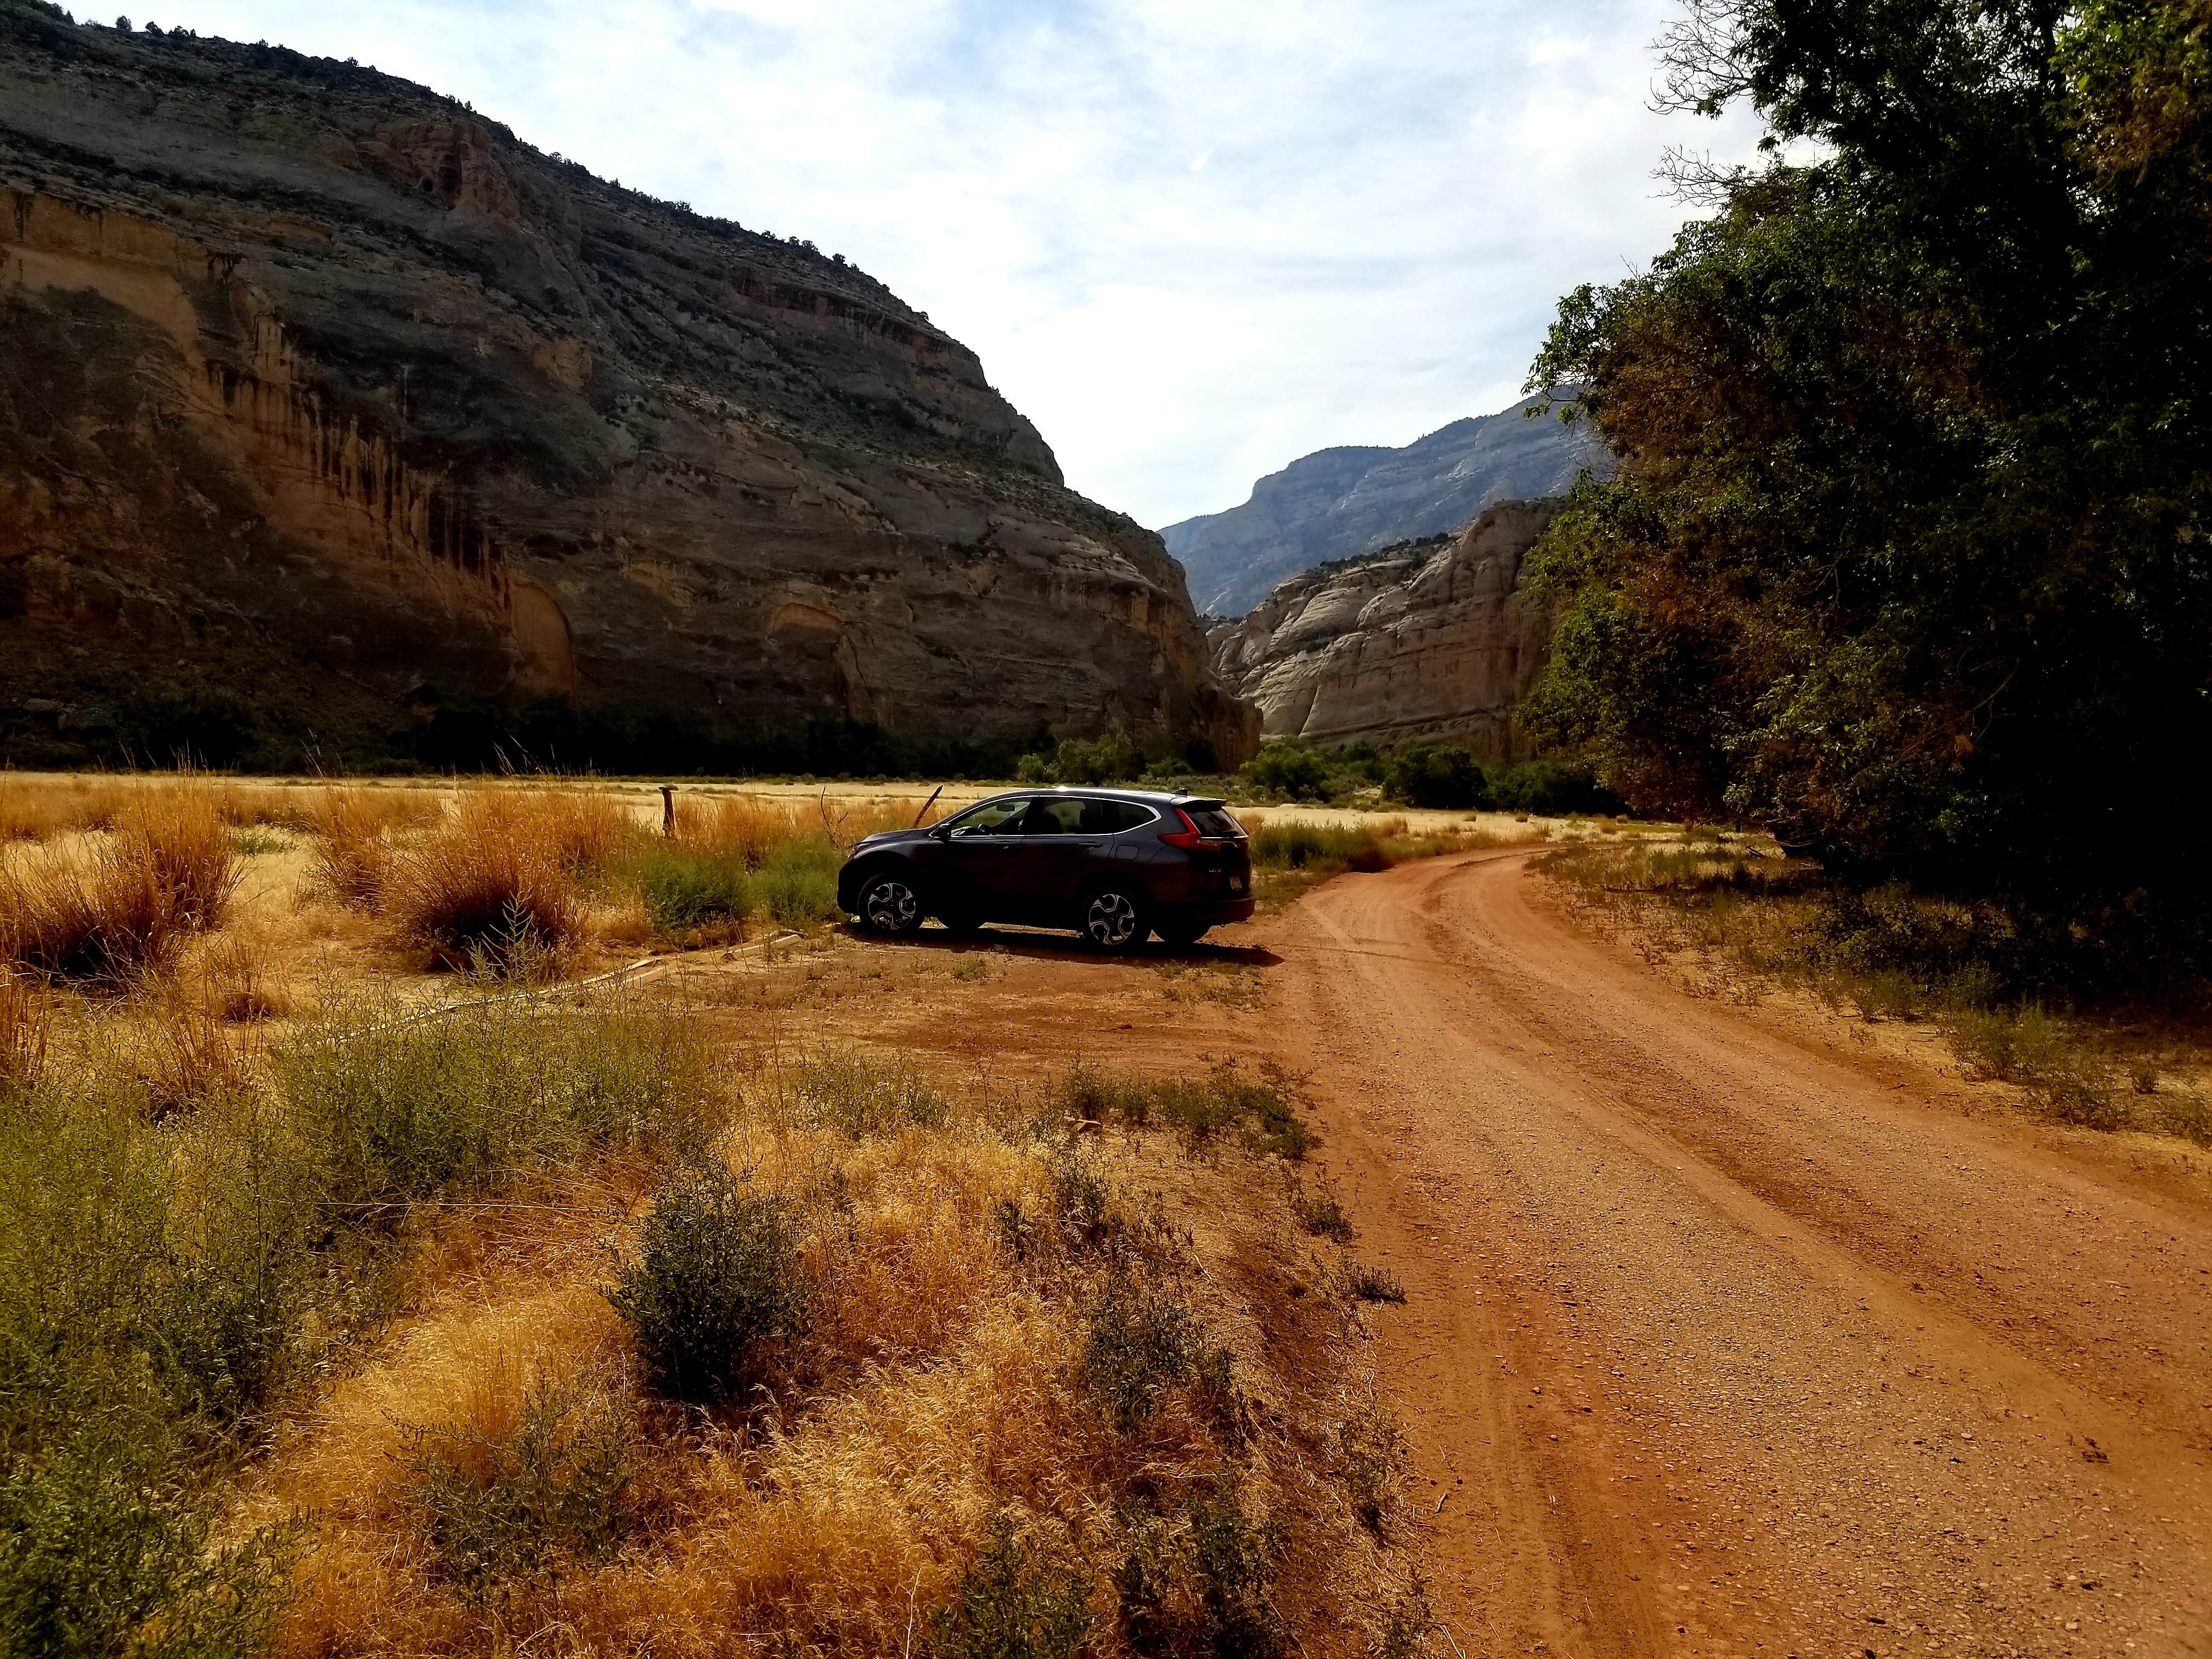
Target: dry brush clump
(496, 885)
(354, 827)
(113, 912)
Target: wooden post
(668, 810)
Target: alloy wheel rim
(1113, 919)
(889, 906)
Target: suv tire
(1181, 933)
(1114, 919)
(888, 905)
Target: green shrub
(1137, 1342)
(1366, 1284)
(1983, 1037)
(1234, 1557)
(1370, 1449)
(1204, 1586)
(797, 885)
(1286, 767)
(858, 1097)
(401, 1110)
(1011, 1604)
(1321, 1215)
(1292, 845)
(2188, 1116)
(100, 1555)
(1887, 994)
(1200, 1108)
(1111, 758)
(716, 1278)
(1083, 1202)
(1551, 787)
(683, 888)
(506, 1513)
(1437, 774)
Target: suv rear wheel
(1114, 919)
(888, 905)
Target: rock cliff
(1341, 503)
(323, 399)
(1431, 639)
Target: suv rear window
(1215, 824)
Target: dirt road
(1720, 1339)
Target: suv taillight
(1186, 837)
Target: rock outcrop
(1342, 503)
(1431, 639)
(324, 396)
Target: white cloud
(1190, 242)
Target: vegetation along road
(1719, 1339)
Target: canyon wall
(326, 402)
(1431, 639)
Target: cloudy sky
(1192, 239)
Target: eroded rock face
(1344, 503)
(1431, 640)
(315, 388)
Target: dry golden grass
(248, 806)
(37, 808)
(26, 1029)
(937, 1387)
(739, 827)
(750, 828)
(236, 984)
(586, 829)
(115, 911)
(187, 1056)
(353, 849)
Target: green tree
(1904, 554)
(1441, 774)
(1286, 767)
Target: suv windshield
(993, 817)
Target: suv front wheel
(888, 905)
(1114, 919)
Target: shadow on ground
(1038, 942)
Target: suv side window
(1058, 816)
(993, 817)
(1062, 815)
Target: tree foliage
(1904, 555)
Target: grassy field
(377, 1276)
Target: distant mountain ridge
(1343, 502)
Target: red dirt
(1722, 1340)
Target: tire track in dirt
(1720, 1341)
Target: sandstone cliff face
(1433, 640)
(316, 387)
(1342, 503)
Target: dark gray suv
(1113, 864)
